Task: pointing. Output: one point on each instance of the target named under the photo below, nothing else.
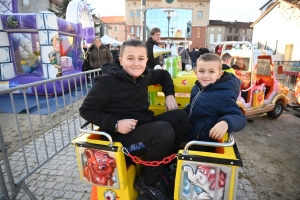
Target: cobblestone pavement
(59, 178)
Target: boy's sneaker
(155, 192)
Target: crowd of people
(118, 103)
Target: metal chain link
(154, 163)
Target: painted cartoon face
(134, 60)
(208, 72)
(12, 22)
(57, 46)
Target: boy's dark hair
(132, 43)
(154, 30)
(208, 57)
(225, 56)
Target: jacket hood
(227, 81)
(151, 41)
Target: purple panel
(66, 26)
(11, 22)
(89, 34)
(28, 21)
(14, 6)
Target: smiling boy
(213, 110)
(118, 104)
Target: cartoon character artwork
(12, 22)
(54, 56)
(99, 167)
(296, 90)
(70, 28)
(206, 181)
(32, 63)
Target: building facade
(117, 28)
(220, 31)
(187, 21)
(278, 30)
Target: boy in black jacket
(118, 104)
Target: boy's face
(156, 37)
(208, 72)
(134, 60)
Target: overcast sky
(226, 10)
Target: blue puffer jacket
(212, 104)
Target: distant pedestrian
(184, 55)
(194, 56)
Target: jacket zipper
(194, 100)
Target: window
(131, 13)
(236, 30)
(229, 38)
(211, 38)
(138, 31)
(244, 31)
(115, 28)
(230, 30)
(243, 38)
(132, 29)
(200, 14)
(219, 36)
(138, 13)
(236, 38)
(198, 33)
(116, 37)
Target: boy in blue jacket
(213, 110)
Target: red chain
(154, 163)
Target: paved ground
(59, 178)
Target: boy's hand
(126, 125)
(171, 103)
(218, 130)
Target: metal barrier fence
(34, 139)
(286, 72)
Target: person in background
(99, 55)
(118, 103)
(115, 52)
(86, 66)
(184, 55)
(130, 36)
(226, 63)
(213, 110)
(194, 56)
(154, 39)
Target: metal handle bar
(98, 133)
(230, 143)
(248, 88)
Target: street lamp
(169, 14)
(172, 33)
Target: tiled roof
(113, 19)
(230, 24)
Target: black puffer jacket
(116, 96)
(152, 62)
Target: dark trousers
(183, 67)
(156, 140)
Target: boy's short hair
(154, 30)
(225, 56)
(209, 57)
(132, 43)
